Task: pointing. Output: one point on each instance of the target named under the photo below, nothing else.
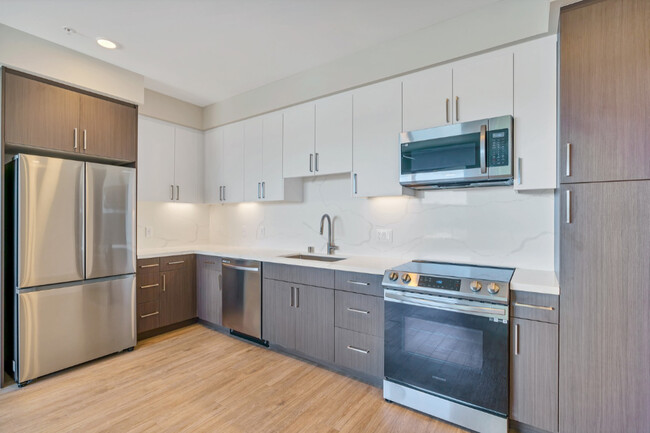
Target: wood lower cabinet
(299, 317)
(43, 114)
(208, 289)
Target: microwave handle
(482, 149)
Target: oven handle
(438, 303)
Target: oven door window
(458, 356)
(459, 152)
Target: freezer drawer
(67, 325)
(110, 220)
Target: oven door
(453, 348)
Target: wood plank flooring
(198, 380)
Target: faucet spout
(330, 236)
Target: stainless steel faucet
(330, 236)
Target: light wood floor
(198, 380)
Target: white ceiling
(204, 51)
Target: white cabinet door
(213, 165)
(333, 145)
(253, 158)
(273, 182)
(483, 87)
(233, 163)
(535, 114)
(188, 166)
(298, 150)
(427, 98)
(376, 152)
(155, 160)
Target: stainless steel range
(446, 342)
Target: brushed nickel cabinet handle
(172, 190)
(516, 339)
(311, 162)
(447, 110)
(220, 193)
(224, 193)
(297, 297)
(154, 265)
(537, 307)
(316, 165)
(164, 283)
(568, 159)
(259, 190)
(356, 349)
(292, 297)
(177, 262)
(148, 286)
(568, 207)
(457, 101)
(178, 192)
(356, 310)
(358, 283)
(210, 263)
(85, 140)
(354, 183)
(75, 138)
(142, 316)
(263, 189)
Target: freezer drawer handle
(142, 316)
(358, 283)
(148, 286)
(154, 265)
(356, 310)
(210, 263)
(538, 307)
(178, 262)
(356, 349)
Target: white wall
(493, 226)
(172, 224)
(495, 25)
(170, 109)
(27, 53)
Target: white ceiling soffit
(204, 51)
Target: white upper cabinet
(155, 160)
(169, 162)
(253, 159)
(483, 87)
(427, 98)
(298, 153)
(188, 165)
(233, 163)
(377, 118)
(535, 114)
(213, 166)
(333, 146)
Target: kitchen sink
(316, 258)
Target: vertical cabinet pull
(457, 101)
(164, 283)
(178, 192)
(311, 162)
(518, 171)
(85, 140)
(172, 191)
(297, 297)
(354, 183)
(224, 193)
(259, 190)
(75, 138)
(292, 297)
(316, 166)
(220, 193)
(568, 159)
(263, 189)
(568, 207)
(516, 339)
(447, 109)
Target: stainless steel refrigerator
(71, 262)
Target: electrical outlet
(148, 231)
(385, 235)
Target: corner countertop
(526, 280)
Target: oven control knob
(393, 276)
(406, 278)
(475, 286)
(493, 288)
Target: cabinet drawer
(361, 352)
(148, 287)
(367, 284)
(361, 313)
(173, 263)
(300, 275)
(534, 306)
(148, 265)
(148, 315)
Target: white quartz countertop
(523, 279)
(527, 280)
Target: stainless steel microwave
(477, 153)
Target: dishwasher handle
(241, 268)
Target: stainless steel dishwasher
(241, 297)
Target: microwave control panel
(498, 148)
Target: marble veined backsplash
(492, 226)
(171, 224)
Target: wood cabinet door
(208, 288)
(333, 135)
(213, 166)
(605, 91)
(534, 373)
(315, 324)
(39, 114)
(483, 87)
(377, 124)
(188, 165)
(156, 160)
(279, 313)
(107, 129)
(427, 99)
(605, 300)
(298, 152)
(178, 300)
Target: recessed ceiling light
(106, 43)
